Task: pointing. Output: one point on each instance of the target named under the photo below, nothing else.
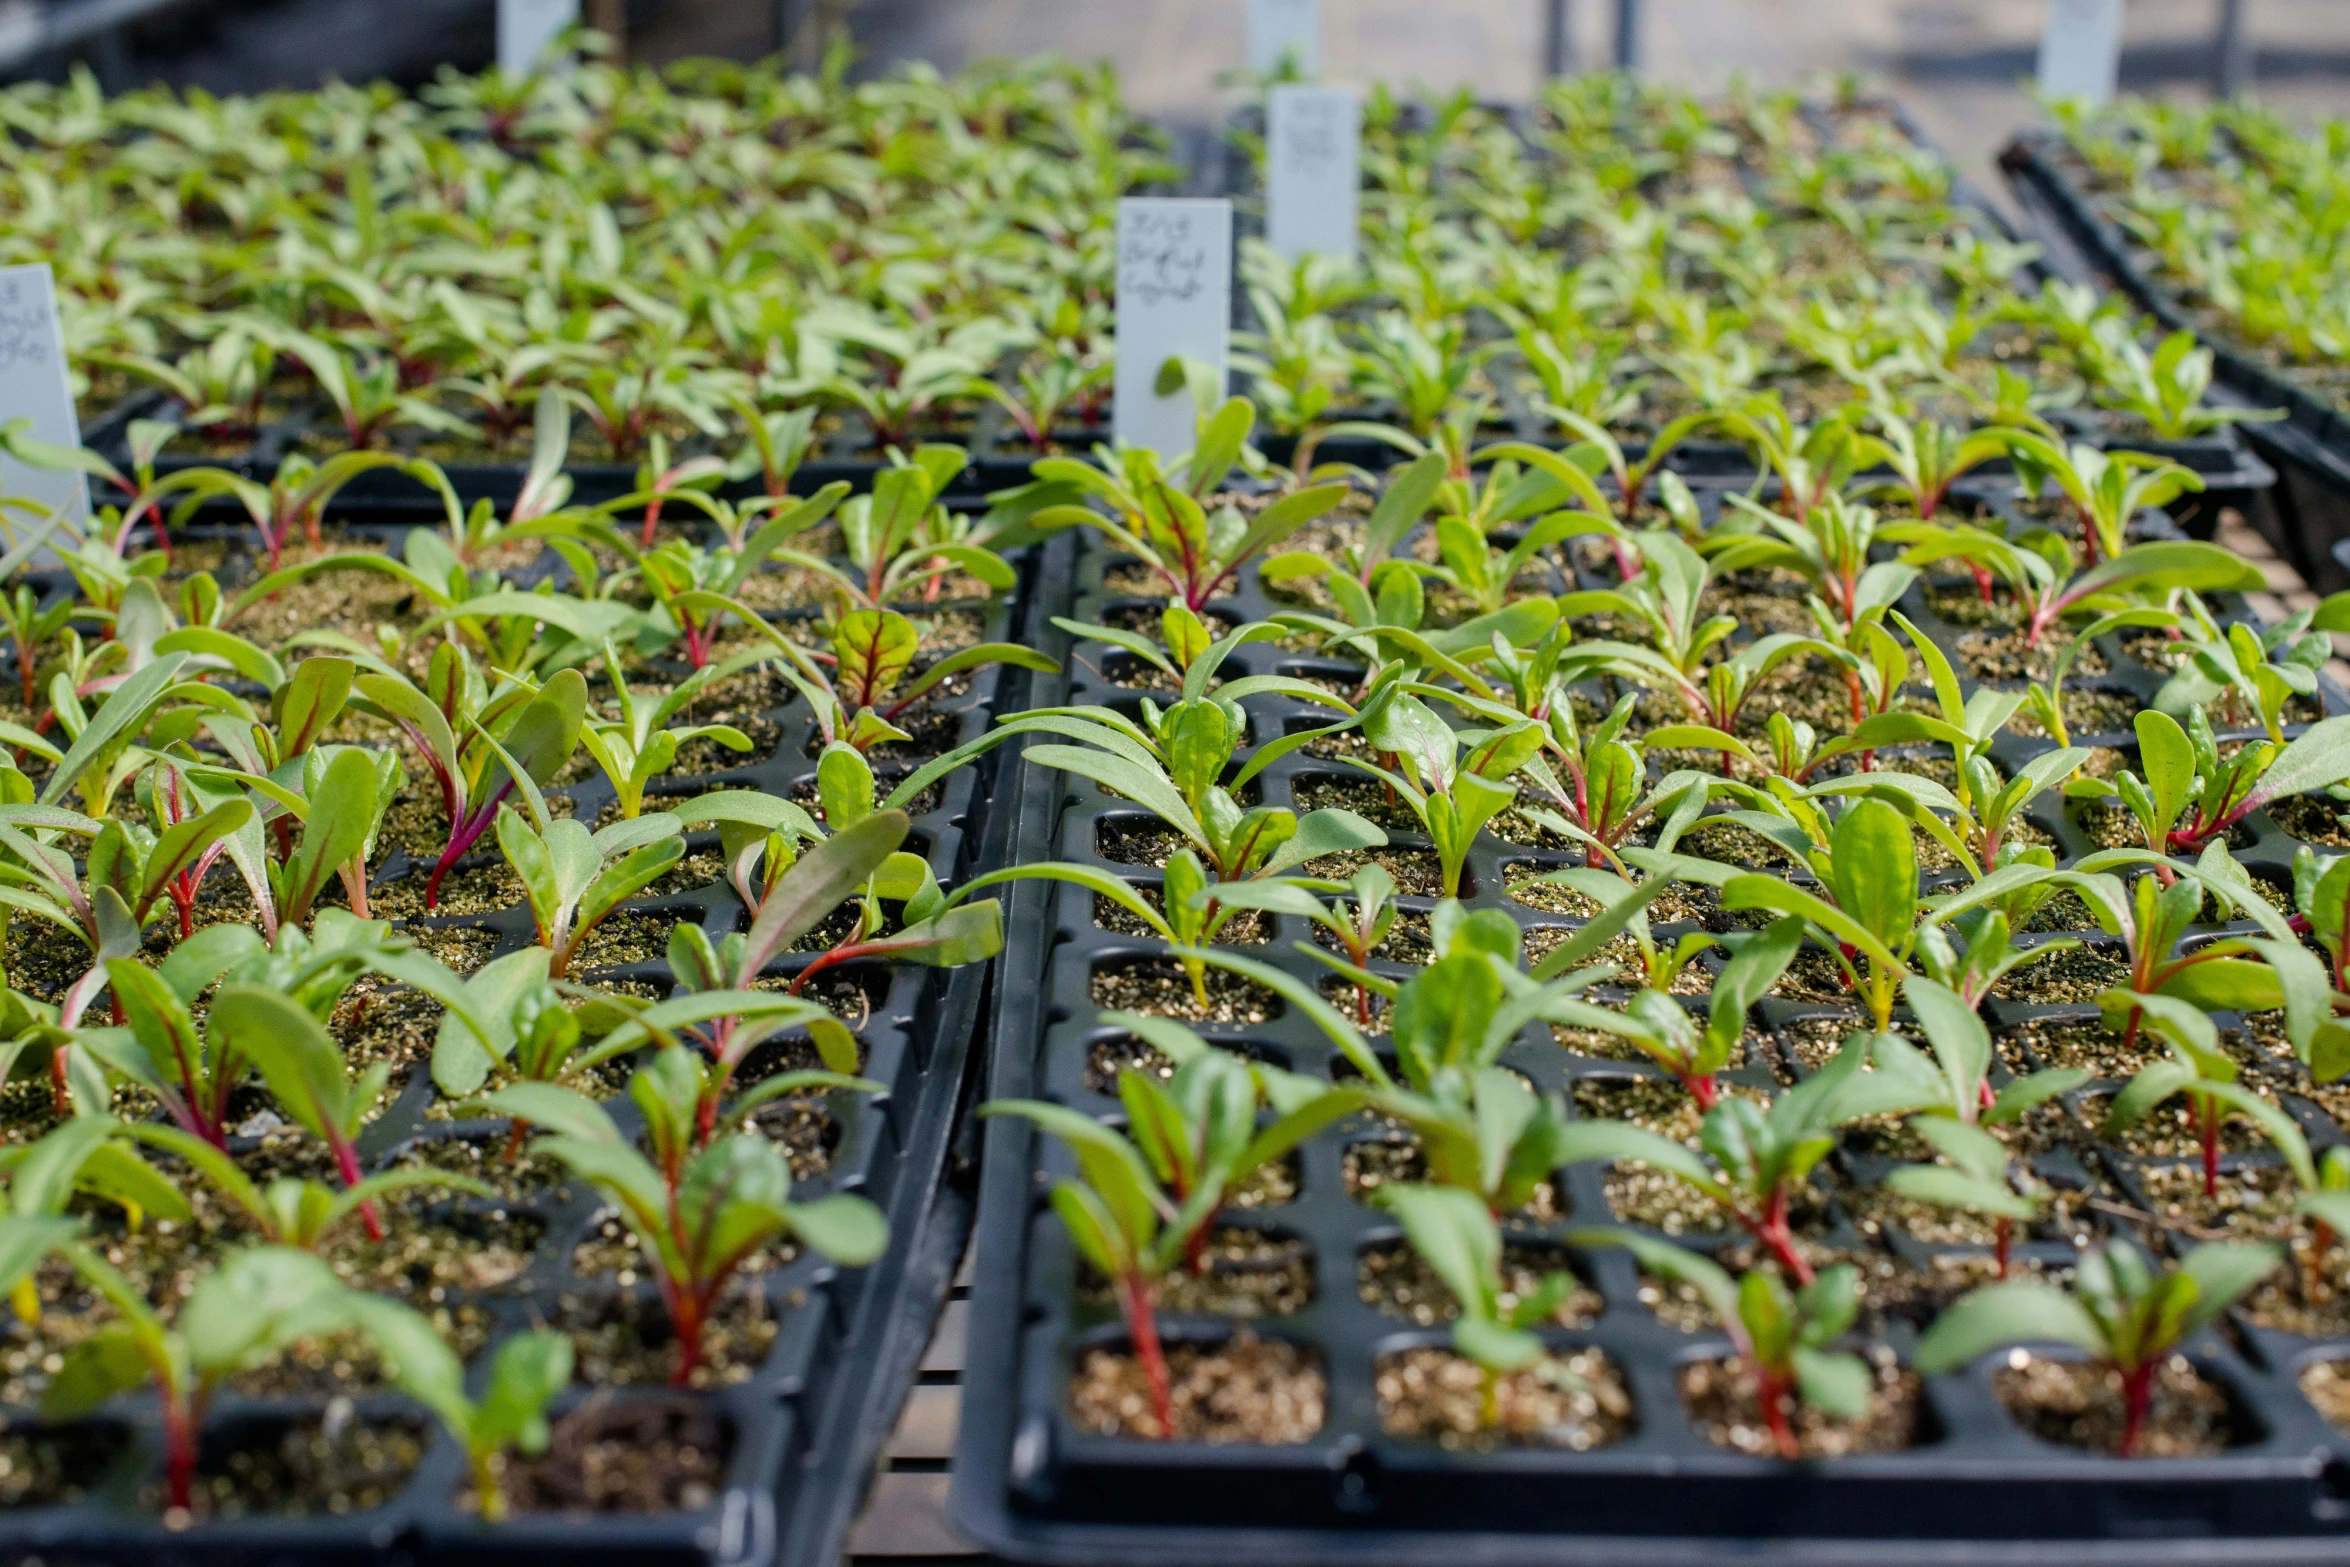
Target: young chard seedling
(242, 1314)
(526, 1374)
(1456, 1236)
(2126, 1313)
(1955, 1104)
(1659, 1025)
(1783, 1338)
(1143, 1200)
(699, 1210)
(1755, 1160)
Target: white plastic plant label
(526, 27)
(2081, 53)
(34, 386)
(1313, 170)
(1174, 302)
(1285, 32)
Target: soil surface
(2080, 1405)
(1721, 1397)
(1264, 1391)
(1576, 1401)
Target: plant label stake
(33, 386)
(1313, 151)
(1174, 305)
(526, 27)
(1285, 36)
(2081, 52)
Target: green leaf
(1873, 871)
(311, 700)
(301, 1063)
(1494, 1346)
(2319, 758)
(117, 722)
(829, 872)
(529, 1371)
(1668, 1261)
(1768, 892)
(2223, 1271)
(1330, 830)
(1955, 1189)
(342, 814)
(1143, 786)
(257, 1302)
(563, 1111)
(109, 1362)
(1999, 1314)
(2226, 985)
(844, 1227)
(461, 1059)
(1834, 1384)
(2169, 762)
(1454, 1235)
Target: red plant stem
(347, 1161)
(514, 1139)
(2137, 1393)
(1195, 1251)
(1772, 1391)
(2208, 1114)
(179, 1439)
(1982, 580)
(1142, 1325)
(61, 1099)
(686, 1313)
(1702, 1088)
(1771, 1229)
(2006, 1230)
(2321, 1241)
(462, 836)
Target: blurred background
(1958, 63)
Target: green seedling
(290, 1211)
(1143, 1200)
(243, 1314)
(1693, 1051)
(526, 1375)
(1755, 1159)
(1784, 1338)
(1167, 525)
(575, 879)
(2126, 1313)
(1458, 1240)
(699, 1210)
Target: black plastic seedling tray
(802, 1432)
(1033, 1486)
(2310, 448)
(997, 461)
